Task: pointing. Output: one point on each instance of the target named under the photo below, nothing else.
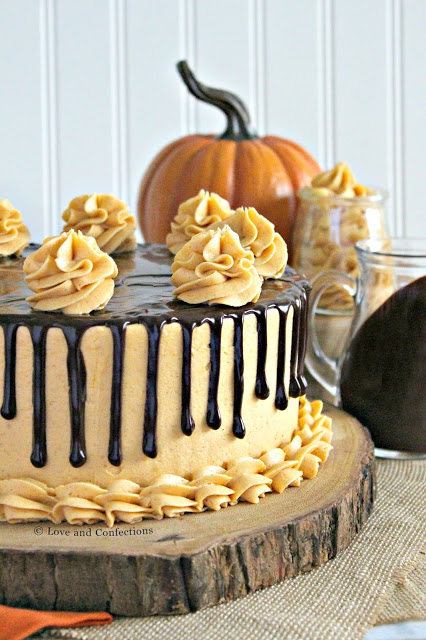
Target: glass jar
(325, 232)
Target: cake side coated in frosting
(209, 487)
(149, 385)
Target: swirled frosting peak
(105, 218)
(14, 235)
(213, 267)
(257, 234)
(195, 215)
(69, 273)
(339, 181)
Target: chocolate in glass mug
(380, 378)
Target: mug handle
(320, 365)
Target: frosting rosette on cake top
(196, 215)
(69, 273)
(105, 218)
(339, 181)
(257, 234)
(213, 267)
(14, 235)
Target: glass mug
(380, 375)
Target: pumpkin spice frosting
(14, 235)
(105, 218)
(257, 234)
(196, 215)
(69, 273)
(213, 267)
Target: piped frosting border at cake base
(247, 479)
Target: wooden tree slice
(186, 564)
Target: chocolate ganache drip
(77, 395)
(261, 388)
(144, 295)
(39, 453)
(295, 386)
(8, 410)
(238, 428)
(114, 448)
(187, 422)
(281, 400)
(303, 339)
(149, 446)
(213, 417)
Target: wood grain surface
(184, 564)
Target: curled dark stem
(238, 118)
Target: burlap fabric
(379, 579)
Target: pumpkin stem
(238, 118)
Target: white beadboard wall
(89, 91)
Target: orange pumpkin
(264, 173)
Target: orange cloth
(16, 624)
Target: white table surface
(399, 631)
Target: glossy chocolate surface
(383, 378)
(144, 295)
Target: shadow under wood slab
(186, 564)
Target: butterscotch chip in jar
(335, 213)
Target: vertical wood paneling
(224, 37)
(395, 123)
(85, 141)
(119, 98)
(153, 48)
(257, 60)
(91, 93)
(326, 83)
(293, 81)
(361, 95)
(49, 123)
(413, 106)
(187, 51)
(21, 142)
